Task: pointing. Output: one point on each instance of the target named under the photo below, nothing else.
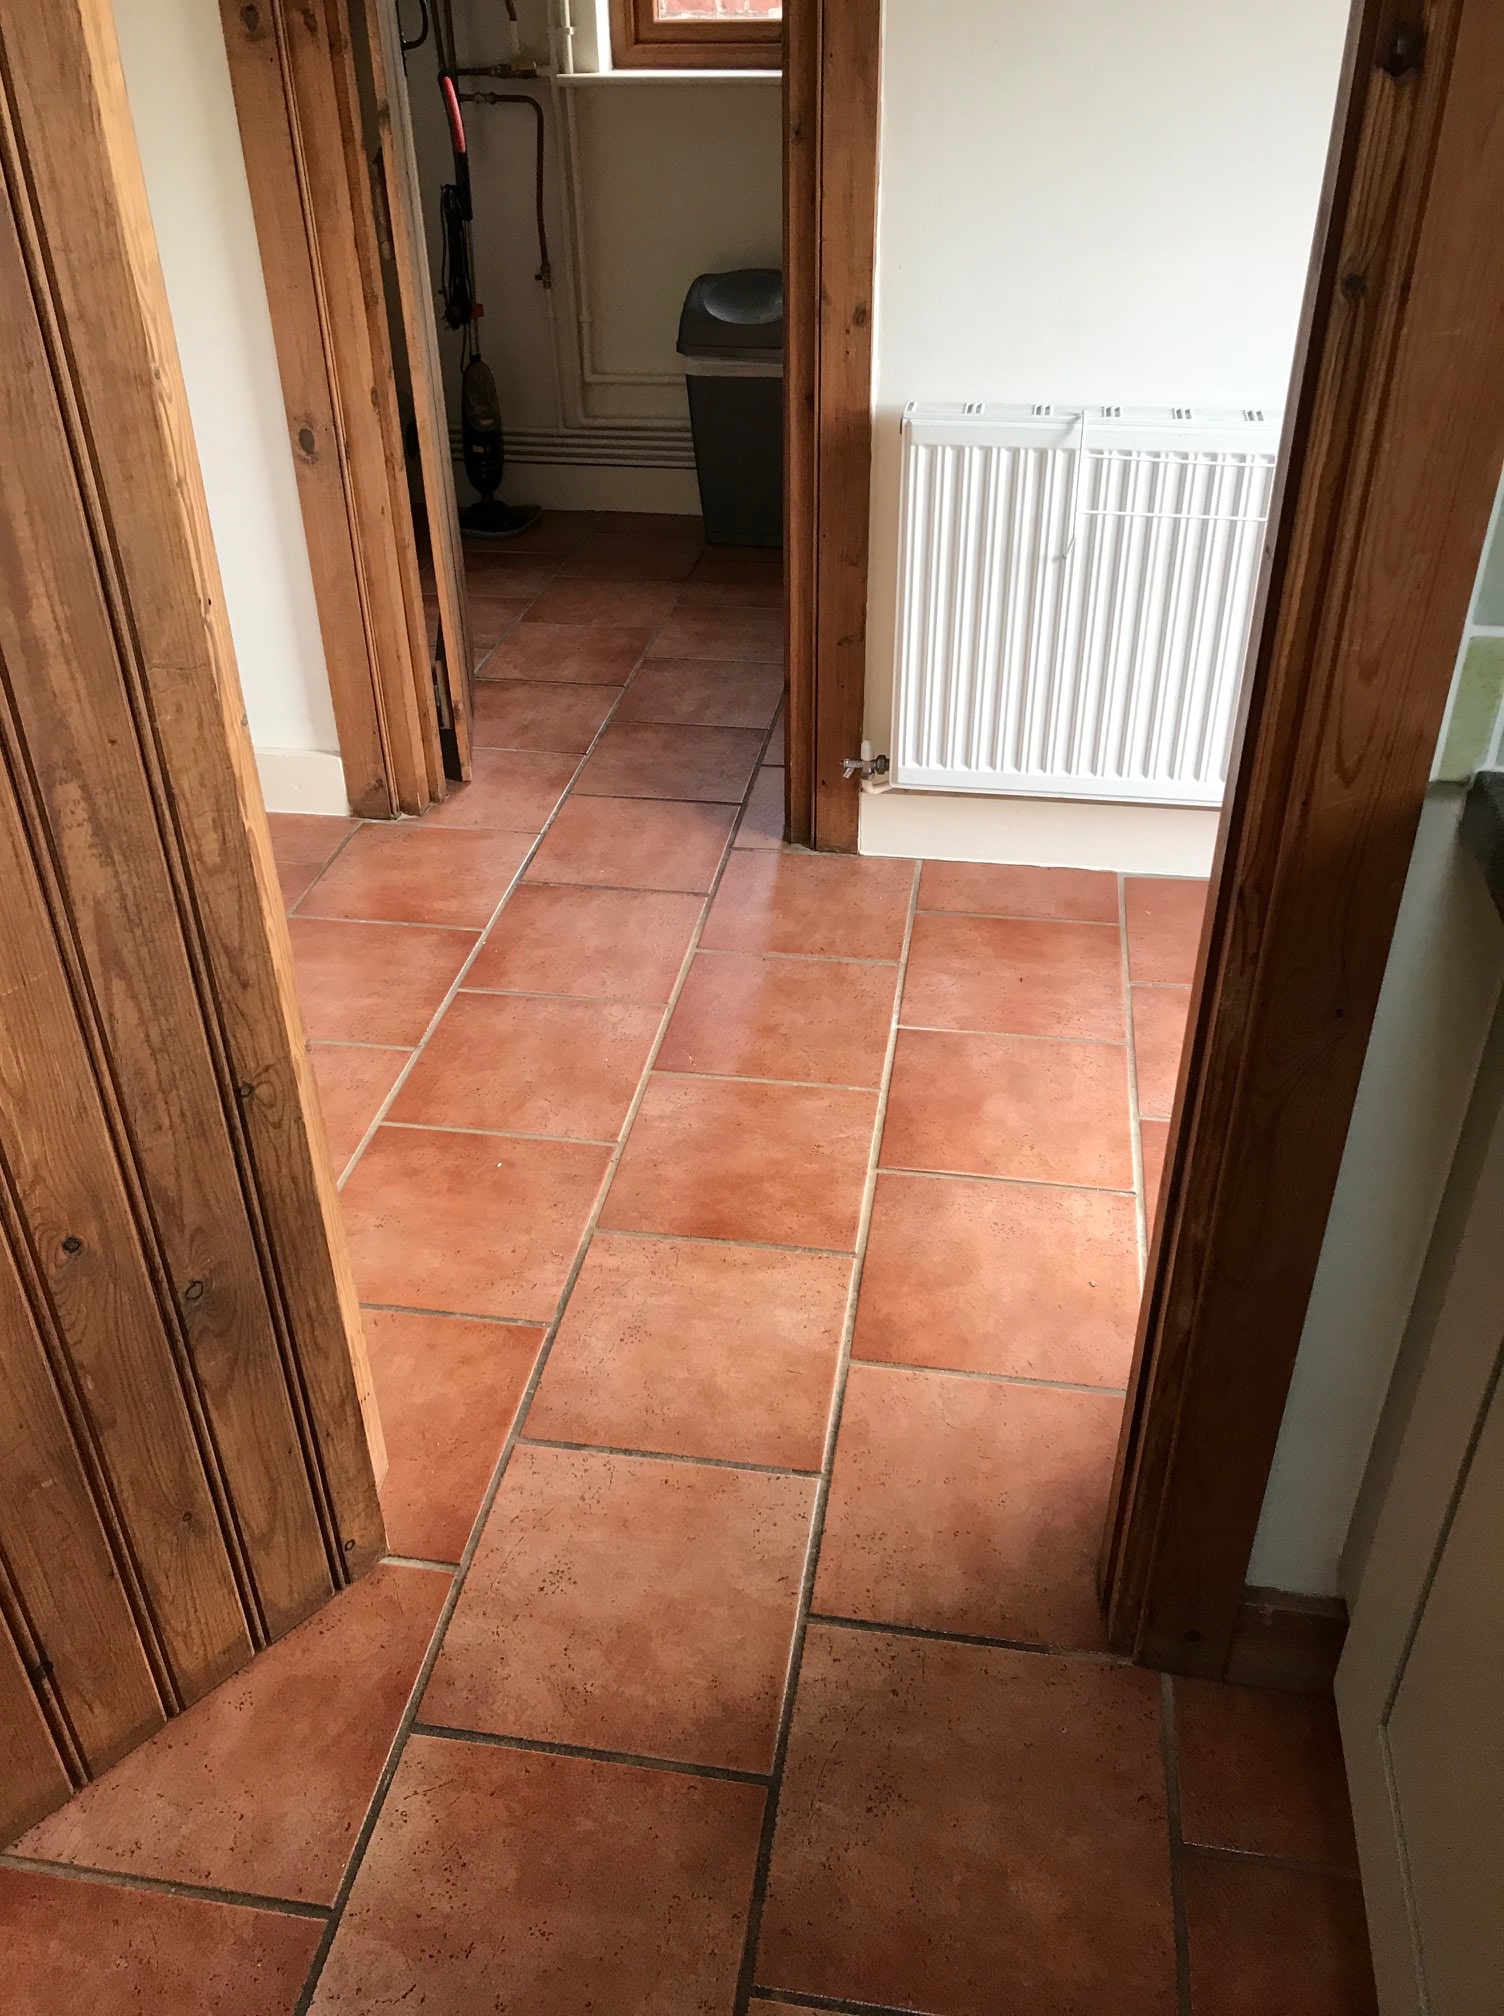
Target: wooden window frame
(641, 42)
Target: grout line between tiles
(539, 1323)
(789, 1084)
(498, 1133)
(1010, 1035)
(663, 1456)
(514, 1432)
(1135, 1132)
(748, 1972)
(798, 1998)
(991, 1378)
(985, 1176)
(751, 1245)
(162, 1886)
(884, 1628)
(1251, 1858)
(589, 1753)
(1025, 916)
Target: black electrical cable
(422, 36)
(457, 276)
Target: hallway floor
(750, 1243)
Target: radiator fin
(1076, 598)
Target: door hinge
(866, 765)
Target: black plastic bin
(731, 340)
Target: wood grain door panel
(188, 1454)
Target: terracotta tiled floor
(750, 1244)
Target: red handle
(456, 117)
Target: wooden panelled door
(333, 179)
(188, 1455)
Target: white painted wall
(1084, 202)
(177, 76)
(674, 178)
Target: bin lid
(730, 314)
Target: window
(697, 34)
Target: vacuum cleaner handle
(457, 137)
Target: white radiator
(1075, 598)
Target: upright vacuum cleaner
(480, 407)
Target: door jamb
(831, 85)
(1393, 443)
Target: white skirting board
(302, 780)
(1039, 832)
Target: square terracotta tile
(1154, 1139)
(969, 1831)
(1266, 1939)
(447, 1388)
(764, 819)
(352, 1080)
(1018, 1278)
(493, 617)
(622, 944)
(1020, 1106)
(777, 741)
(497, 1880)
(1023, 976)
(709, 693)
(738, 566)
(262, 1785)
(1262, 1772)
(749, 1015)
(520, 1064)
(472, 1223)
(413, 872)
(307, 839)
(571, 654)
(715, 1158)
(628, 1604)
(968, 1505)
(991, 889)
(1159, 1021)
(1164, 928)
(534, 715)
(644, 759)
(697, 1350)
(698, 594)
(748, 634)
(829, 906)
(618, 556)
(510, 791)
(626, 605)
(114, 1952)
(373, 983)
(511, 570)
(625, 844)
